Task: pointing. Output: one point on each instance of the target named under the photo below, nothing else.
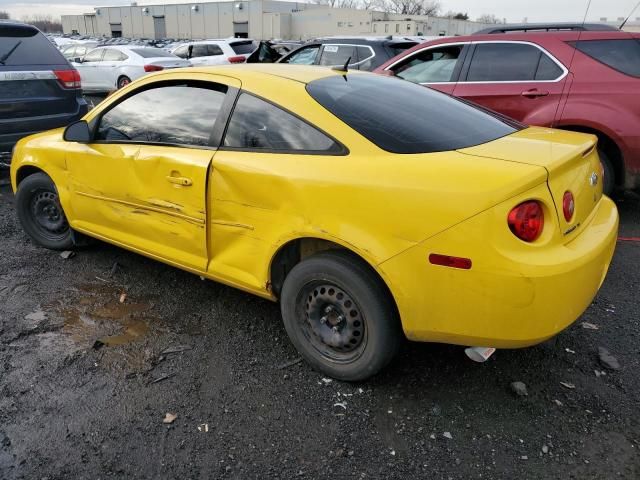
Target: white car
(216, 52)
(106, 68)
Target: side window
(111, 55)
(199, 51)
(213, 50)
(304, 56)
(182, 51)
(620, 54)
(94, 55)
(435, 65)
(365, 57)
(187, 116)
(338, 54)
(508, 62)
(547, 69)
(256, 124)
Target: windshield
(414, 119)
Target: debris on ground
(599, 373)
(326, 381)
(203, 427)
(123, 297)
(589, 326)
(558, 402)
(163, 377)
(67, 254)
(37, 316)
(176, 349)
(608, 360)
(290, 363)
(568, 385)
(568, 350)
(447, 435)
(169, 418)
(545, 449)
(519, 388)
(341, 404)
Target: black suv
(39, 89)
(365, 53)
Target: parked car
(583, 77)
(216, 52)
(363, 53)
(370, 208)
(77, 50)
(39, 89)
(106, 68)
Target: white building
(258, 19)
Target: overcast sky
(512, 10)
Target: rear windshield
(402, 117)
(398, 48)
(242, 48)
(151, 52)
(620, 54)
(27, 46)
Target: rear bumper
(24, 127)
(511, 297)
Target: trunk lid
(168, 62)
(571, 161)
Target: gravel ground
(86, 383)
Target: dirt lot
(86, 382)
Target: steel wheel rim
(48, 216)
(332, 321)
(124, 82)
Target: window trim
(561, 77)
(341, 151)
(356, 45)
(565, 71)
(215, 130)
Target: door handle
(183, 181)
(534, 92)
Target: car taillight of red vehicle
(237, 59)
(526, 220)
(153, 68)
(68, 78)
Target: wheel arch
(293, 251)
(610, 147)
(26, 171)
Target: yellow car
(370, 208)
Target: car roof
(362, 39)
(296, 73)
(546, 27)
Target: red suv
(575, 77)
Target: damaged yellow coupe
(371, 208)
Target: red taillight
(238, 59)
(568, 205)
(68, 78)
(526, 220)
(447, 261)
(153, 68)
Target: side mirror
(77, 132)
(77, 60)
(189, 52)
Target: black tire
(609, 180)
(123, 81)
(41, 214)
(361, 332)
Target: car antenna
(628, 17)
(344, 68)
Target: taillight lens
(238, 59)
(153, 68)
(568, 205)
(526, 220)
(68, 78)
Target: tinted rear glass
(27, 46)
(403, 117)
(622, 54)
(151, 52)
(242, 48)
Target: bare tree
(457, 15)
(44, 23)
(488, 18)
(410, 7)
(4, 15)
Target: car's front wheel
(340, 316)
(41, 214)
(123, 81)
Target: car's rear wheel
(609, 180)
(340, 316)
(41, 214)
(123, 81)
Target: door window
(259, 125)
(199, 51)
(304, 56)
(435, 65)
(94, 55)
(171, 114)
(510, 62)
(213, 50)
(338, 54)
